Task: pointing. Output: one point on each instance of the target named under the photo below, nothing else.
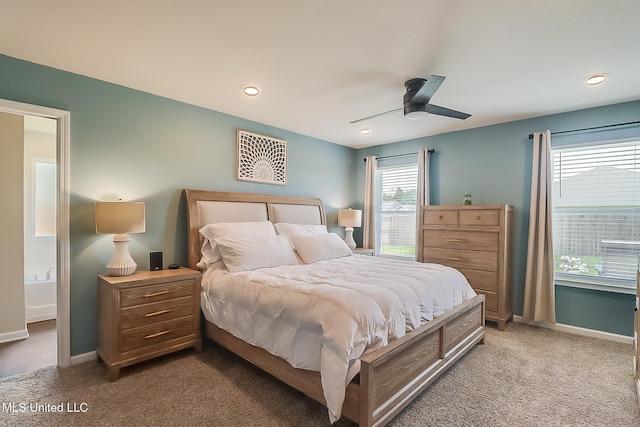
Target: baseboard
(14, 335)
(84, 357)
(92, 355)
(577, 330)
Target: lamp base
(121, 263)
(348, 238)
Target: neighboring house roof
(394, 206)
(593, 188)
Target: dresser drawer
(154, 293)
(147, 314)
(472, 240)
(475, 260)
(490, 300)
(134, 339)
(479, 279)
(440, 217)
(479, 217)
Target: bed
(389, 373)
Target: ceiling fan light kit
(414, 111)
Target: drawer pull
(452, 240)
(478, 217)
(157, 334)
(452, 258)
(155, 294)
(157, 313)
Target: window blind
(396, 210)
(596, 213)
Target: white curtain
(423, 199)
(539, 294)
(369, 230)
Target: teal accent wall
(141, 147)
(493, 163)
(599, 310)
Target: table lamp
(120, 219)
(349, 218)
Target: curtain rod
(431, 151)
(593, 128)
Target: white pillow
(249, 254)
(318, 247)
(289, 230)
(211, 232)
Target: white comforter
(324, 316)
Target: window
(44, 194)
(596, 215)
(396, 210)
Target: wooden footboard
(390, 378)
(393, 376)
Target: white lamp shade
(349, 217)
(120, 217)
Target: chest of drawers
(477, 241)
(147, 314)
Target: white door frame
(63, 145)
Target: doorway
(61, 206)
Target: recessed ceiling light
(596, 79)
(365, 131)
(251, 90)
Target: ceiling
(322, 64)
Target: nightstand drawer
(363, 251)
(134, 339)
(147, 314)
(154, 293)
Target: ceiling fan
(416, 101)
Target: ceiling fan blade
(376, 115)
(426, 90)
(442, 111)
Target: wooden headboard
(209, 207)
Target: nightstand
(146, 315)
(363, 251)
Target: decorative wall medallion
(261, 158)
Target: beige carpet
(524, 376)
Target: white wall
(12, 325)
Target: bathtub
(40, 298)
